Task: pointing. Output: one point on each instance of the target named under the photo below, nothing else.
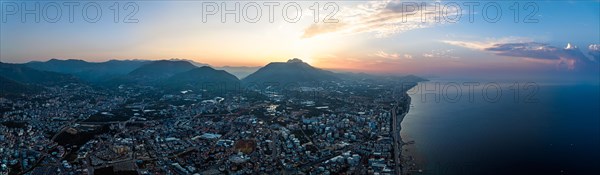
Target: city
(347, 125)
(374, 87)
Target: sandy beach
(412, 161)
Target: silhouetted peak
(295, 60)
(206, 67)
(294, 70)
(66, 60)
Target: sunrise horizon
(373, 87)
(371, 36)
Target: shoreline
(410, 161)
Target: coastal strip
(401, 106)
(405, 163)
(409, 159)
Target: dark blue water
(554, 130)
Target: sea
(508, 128)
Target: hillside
(292, 71)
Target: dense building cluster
(341, 127)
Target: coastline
(410, 160)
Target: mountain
(62, 66)
(240, 72)
(24, 74)
(292, 71)
(197, 64)
(161, 69)
(202, 78)
(89, 71)
(10, 87)
(412, 79)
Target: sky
(463, 38)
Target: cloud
(490, 42)
(570, 56)
(440, 54)
(392, 56)
(383, 18)
(314, 29)
(527, 50)
(594, 51)
(383, 54)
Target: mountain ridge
(292, 71)
(202, 78)
(24, 74)
(88, 71)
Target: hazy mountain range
(9, 87)
(175, 74)
(292, 71)
(89, 71)
(202, 78)
(100, 71)
(24, 74)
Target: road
(397, 139)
